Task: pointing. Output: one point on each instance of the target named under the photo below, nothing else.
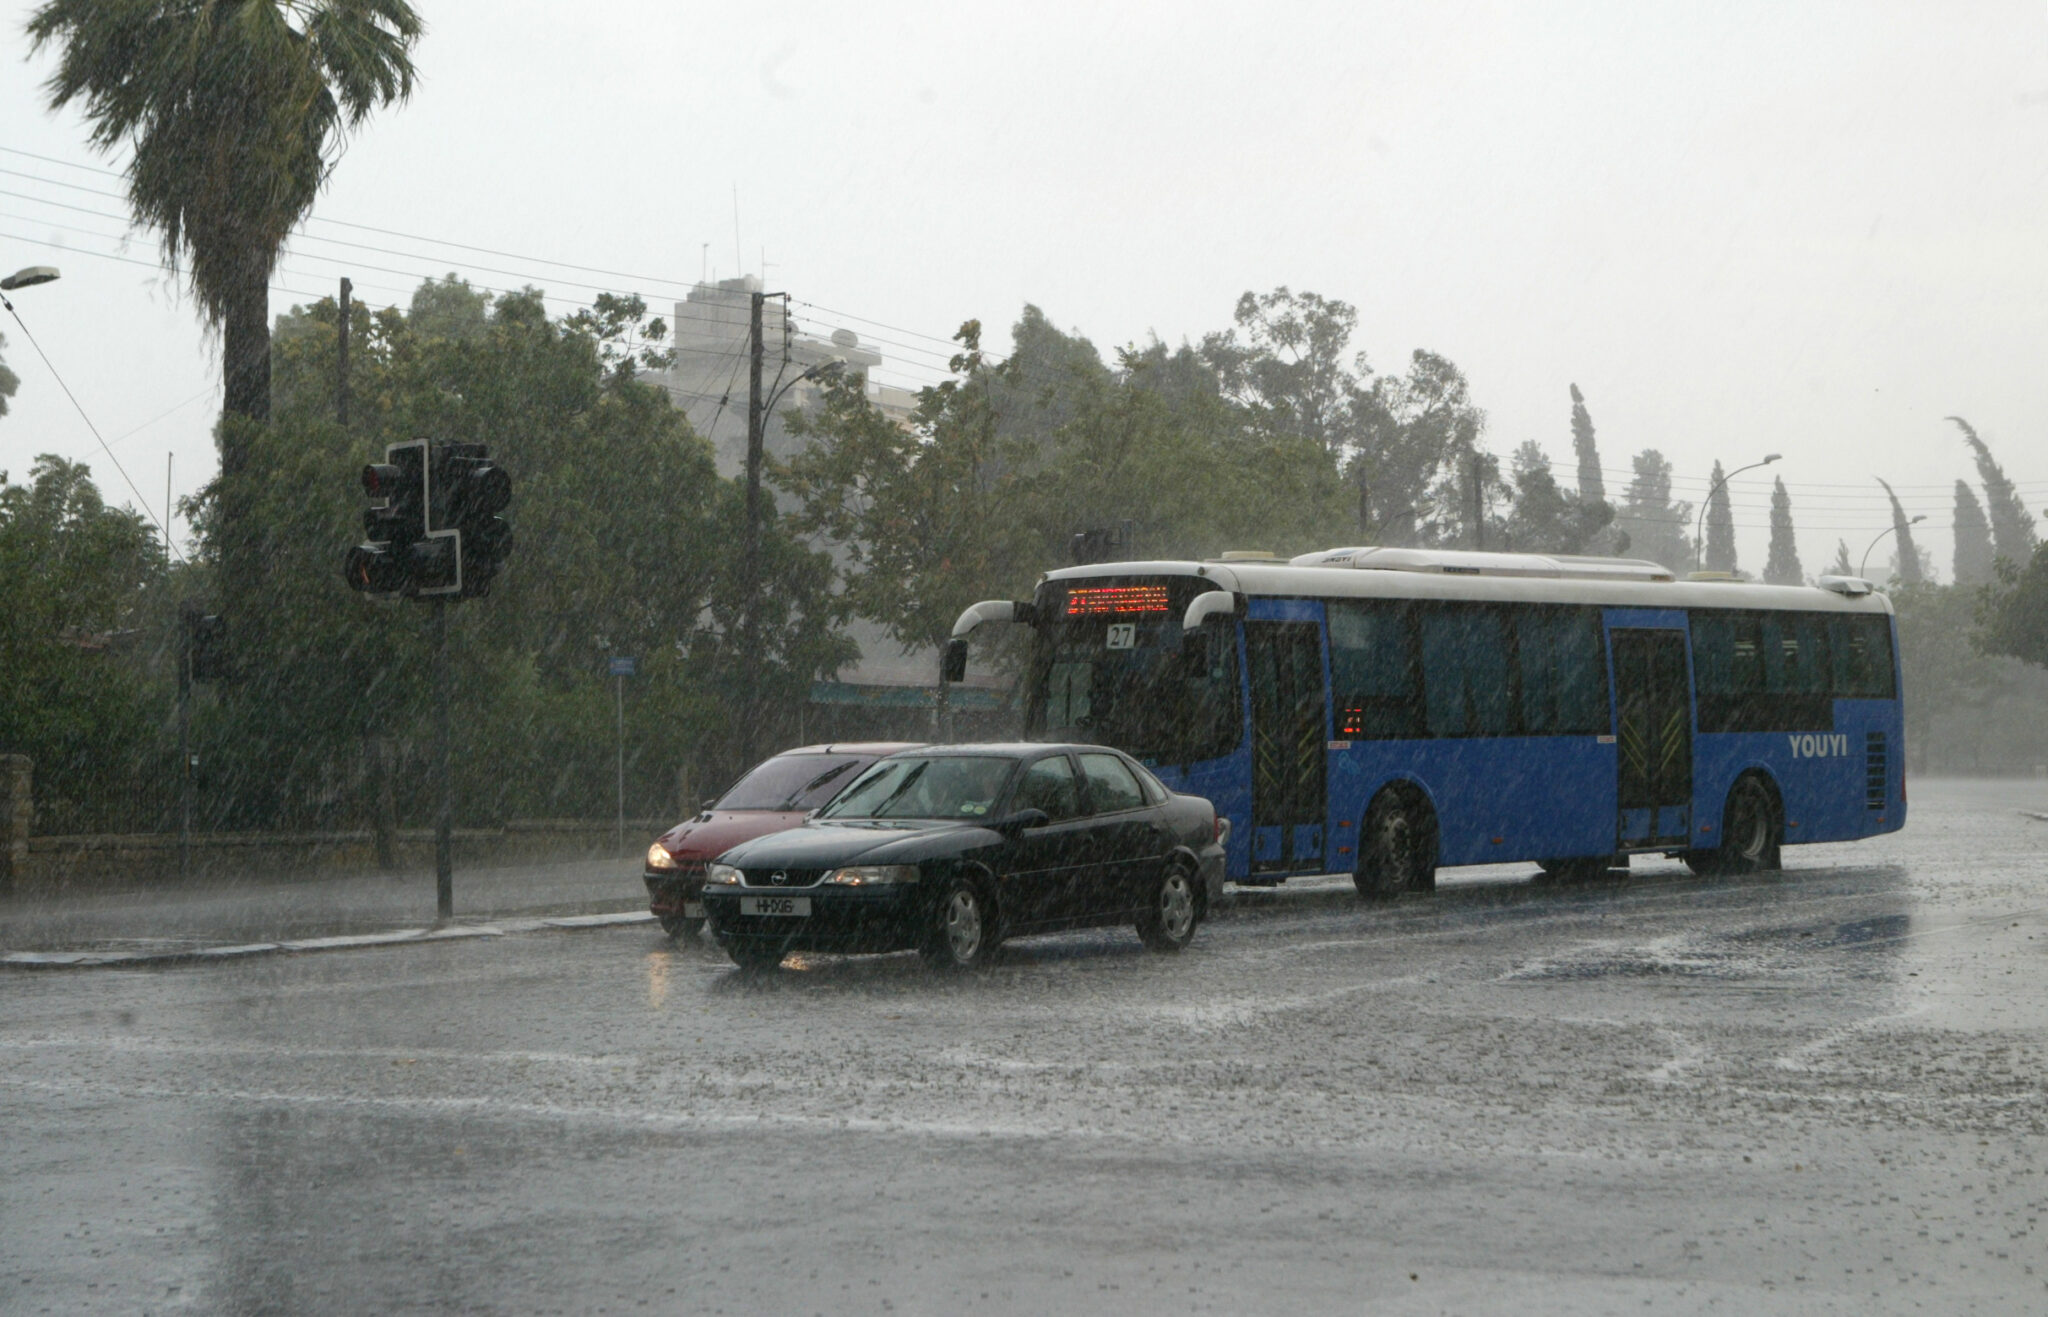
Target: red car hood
(709, 836)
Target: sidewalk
(261, 908)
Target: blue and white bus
(1383, 712)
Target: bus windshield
(1132, 681)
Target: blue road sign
(625, 667)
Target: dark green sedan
(948, 851)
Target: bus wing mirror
(1213, 603)
(994, 610)
(953, 668)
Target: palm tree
(233, 111)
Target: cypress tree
(1909, 553)
(1720, 547)
(1841, 566)
(1973, 539)
(1782, 568)
(2012, 526)
(1592, 485)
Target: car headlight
(872, 875)
(721, 875)
(659, 858)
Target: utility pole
(756, 425)
(341, 359)
(1478, 501)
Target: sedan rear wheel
(1167, 920)
(962, 932)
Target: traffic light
(435, 530)
(468, 491)
(395, 524)
(202, 643)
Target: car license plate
(775, 905)
(693, 909)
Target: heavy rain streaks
(1819, 1088)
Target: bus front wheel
(1397, 849)
(1750, 833)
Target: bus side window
(1861, 648)
(1466, 675)
(1795, 661)
(1372, 670)
(1564, 671)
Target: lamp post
(28, 278)
(1888, 530)
(1699, 523)
(757, 428)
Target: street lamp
(757, 429)
(29, 278)
(1699, 523)
(1865, 561)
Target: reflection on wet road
(1822, 1089)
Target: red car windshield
(789, 782)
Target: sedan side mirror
(1012, 824)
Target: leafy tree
(925, 514)
(2012, 526)
(232, 111)
(1909, 564)
(622, 529)
(1974, 558)
(1048, 381)
(1418, 443)
(10, 382)
(1968, 706)
(1720, 547)
(1592, 481)
(1841, 566)
(1782, 566)
(1546, 518)
(2015, 613)
(1655, 524)
(1289, 370)
(83, 613)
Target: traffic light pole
(444, 821)
(184, 649)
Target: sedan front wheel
(962, 933)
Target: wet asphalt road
(1815, 1091)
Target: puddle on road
(1779, 952)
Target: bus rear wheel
(1750, 833)
(1397, 848)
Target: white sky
(1740, 227)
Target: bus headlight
(872, 875)
(721, 875)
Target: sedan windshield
(940, 787)
(789, 782)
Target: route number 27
(1122, 635)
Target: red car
(775, 794)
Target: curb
(346, 942)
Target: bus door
(1653, 737)
(1289, 713)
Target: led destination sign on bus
(1097, 601)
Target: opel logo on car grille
(779, 877)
